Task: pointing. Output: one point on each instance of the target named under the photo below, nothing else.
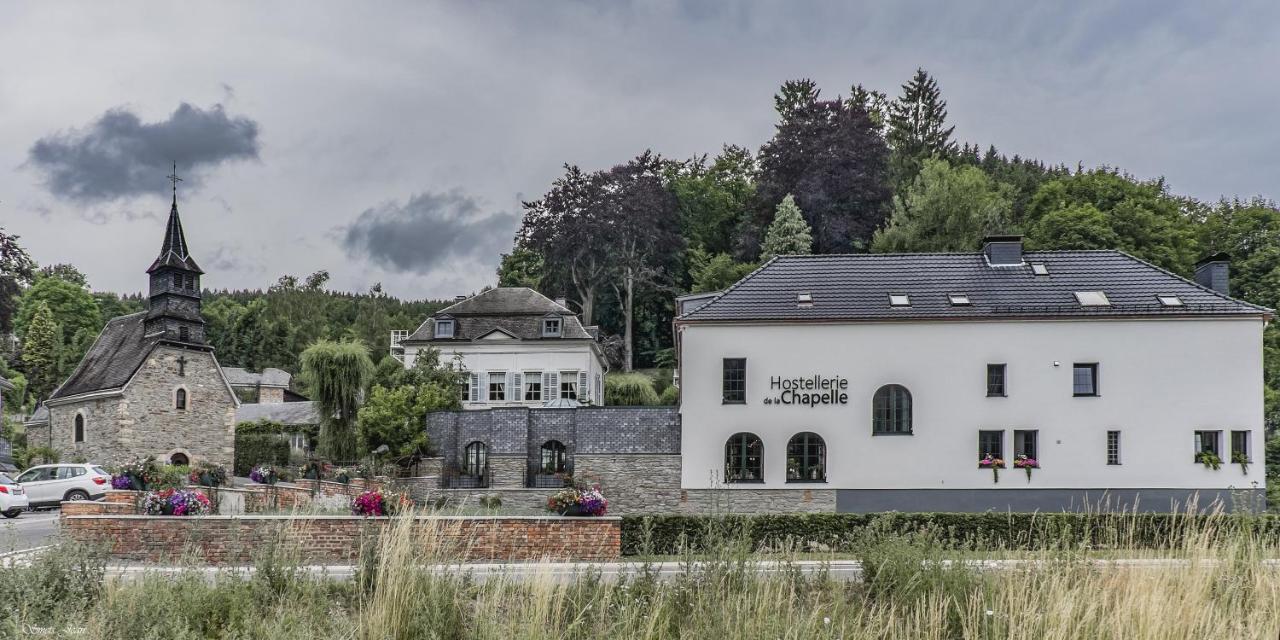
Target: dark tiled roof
(40, 416)
(282, 412)
(173, 253)
(117, 353)
(857, 287)
(517, 311)
(269, 377)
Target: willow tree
(337, 373)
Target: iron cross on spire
(173, 177)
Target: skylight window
(1039, 269)
(1092, 299)
(959, 299)
(804, 300)
(1169, 300)
(899, 300)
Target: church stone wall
(101, 421)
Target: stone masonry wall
(101, 430)
(150, 425)
(327, 539)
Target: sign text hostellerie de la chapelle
(808, 391)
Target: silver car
(50, 484)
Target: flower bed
(579, 500)
(377, 503)
(176, 502)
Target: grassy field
(908, 591)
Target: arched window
(891, 410)
(78, 432)
(744, 458)
(180, 399)
(806, 458)
(476, 459)
(554, 457)
(179, 459)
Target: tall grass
(1217, 583)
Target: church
(150, 384)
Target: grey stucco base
(1047, 500)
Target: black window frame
(1020, 446)
(733, 389)
(475, 459)
(985, 438)
(1092, 368)
(77, 429)
(998, 388)
(806, 453)
(554, 457)
(1215, 441)
(1241, 438)
(889, 414)
(1113, 447)
(738, 456)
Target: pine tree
(917, 127)
(788, 234)
(41, 352)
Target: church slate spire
(175, 295)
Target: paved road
(29, 530)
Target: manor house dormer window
(551, 327)
(444, 328)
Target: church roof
(173, 253)
(112, 360)
(39, 416)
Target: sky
(393, 142)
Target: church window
(78, 435)
(184, 334)
(177, 281)
(180, 400)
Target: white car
(50, 484)
(13, 498)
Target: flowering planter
(575, 511)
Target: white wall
(1159, 381)
(510, 355)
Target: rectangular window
(444, 329)
(1084, 379)
(569, 385)
(1026, 442)
(991, 443)
(497, 386)
(533, 386)
(1113, 447)
(551, 327)
(995, 380)
(1240, 447)
(184, 334)
(1207, 443)
(734, 381)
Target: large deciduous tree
(917, 127)
(788, 234)
(563, 228)
(946, 208)
(16, 270)
(830, 156)
(713, 198)
(337, 375)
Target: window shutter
(554, 387)
(599, 395)
(475, 387)
(584, 391)
(517, 386)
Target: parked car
(50, 484)
(13, 498)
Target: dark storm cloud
(427, 231)
(120, 156)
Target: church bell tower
(174, 302)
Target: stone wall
(329, 539)
(143, 420)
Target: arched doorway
(179, 459)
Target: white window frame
(441, 324)
(899, 300)
(1170, 300)
(1092, 298)
(531, 378)
(959, 300)
(499, 377)
(571, 378)
(559, 327)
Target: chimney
(1002, 251)
(562, 302)
(459, 298)
(1213, 273)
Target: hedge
(259, 448)
(672, 534)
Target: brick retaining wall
(330, 539)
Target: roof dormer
(445, 327)
(552, 326)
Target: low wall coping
(336, 517)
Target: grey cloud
(120, 156)
(428, 230)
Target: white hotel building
(888, 378)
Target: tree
(394, 415)
(66, 273)
(946, 208)
(714, 273)
(41, 352)
(788, 233)
(563, 229)
(713, 198)
(830, 157)
(521, 268)
(73, 309)
(1079, 226)
(337, 375)
(917, 127)
(16, 270)
(875, 103)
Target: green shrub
(674, 534)
(629, 390)
(670, 397)
(259, 448)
